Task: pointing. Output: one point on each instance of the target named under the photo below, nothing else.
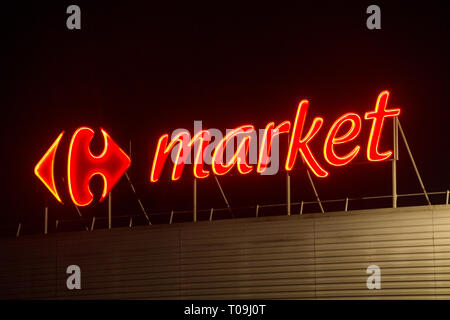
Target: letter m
(162, 151)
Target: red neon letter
(377, 126)
(202, 136)
(240, 156)
(82, 165)
(301, 145)
(163, 150)
(44, 169)
(351, 134)
(266, 143)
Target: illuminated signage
(82, 165)
(298, 144)
(112, 163)
(44, 169)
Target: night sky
(140, 71)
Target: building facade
(310, 256)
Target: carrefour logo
(82, 165)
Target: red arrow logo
(44, 169)
(82, 165)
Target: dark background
(142, 70)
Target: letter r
(82, 165)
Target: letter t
(377, 126)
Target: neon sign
(82, 165)
(44, 169)
(112, 163)
(298, 144)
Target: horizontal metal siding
(296, 257)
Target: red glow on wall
(82, 165)
(45, 167)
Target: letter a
(374, 20)
(74, 280)
(74, 20)
(373, 281)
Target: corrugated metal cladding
(296, 257)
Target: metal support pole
(46, 220)
(171, 217)
(315, 191)
(109, 210)
(394, 163)
(288, 193)
(224, 197)
(211, 214)
(346, 204)
(301, 207)
(79, 213)
(257, 209)
(446, 198)
(18, 230)
(195, 200)
(132, 187)
(93, 223)
(414, 164)
(288, 185)
(138, 200)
